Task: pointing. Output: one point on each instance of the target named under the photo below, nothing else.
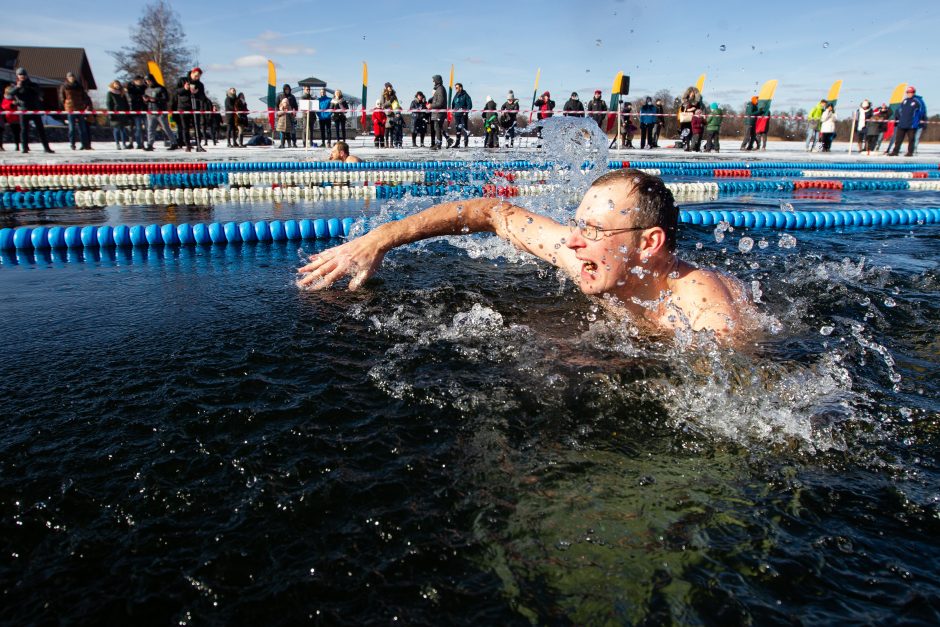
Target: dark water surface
(186, 438)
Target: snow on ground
(363, 148)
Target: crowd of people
(137, 117)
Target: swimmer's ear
(652, 241)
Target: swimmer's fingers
(331, 278)
(316, 274)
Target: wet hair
(655, 204)
(342, 146)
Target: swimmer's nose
(575, 240)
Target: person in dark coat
(136, 122)
(419, 118)
(190, 94)
(439, 114)
(545, 107)
(508, 118)
(157, 100)
(597, 109)
(660, 122)
(574, 107)
(310, 117)
(461, 106)
(490, 124)
(118, 102)
(231, 100)
(26, 95)
(338, 108)
(908, 116)
(324, 117)
(750, 122)
(647, 122)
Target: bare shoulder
(708, 299)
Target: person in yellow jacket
(812, 127)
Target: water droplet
(889, 302)
(597, 42)
(763, 243)
(363, 38)
(699, 245)
(786, 241)
(722, 47)
(587, 71)
(825, 44)
(745, 244)
(826, 330)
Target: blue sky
(578, 44)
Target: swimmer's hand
(358, 259)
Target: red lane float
(817, 184)
(100, 168)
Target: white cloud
(251, 60)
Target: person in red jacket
(698, 129)
(379, 120)
(12, 120)
(546, 108)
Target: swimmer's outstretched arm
(360, 258)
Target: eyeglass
(594, 233)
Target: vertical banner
(614, 108)
(700, 83)
(450, 96)
(365, 92)
(154, 69)
(272, 92)
(833, 96)
(535, 93)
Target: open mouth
(590, 267)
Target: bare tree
(158, 36)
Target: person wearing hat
(136, 122)
(420, 118)
(7, 107)
(863, 124)
(509, 117)
(287, 113)
(647, 122)
(545, 108)
(574, 107)
(713, 128)
(73, 98)
(26, 95)
(461, 106)
(379, 122)
(190, 94)
(597, 108)
(908, 116)
(438, 107)
(923, 119)
(750, 121)
(117, 102)
(490, 124)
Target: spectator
(73, 98)
(660, 122)
(461, 106)
(310, 117)
(241, 118)
(215, 125)
(25, 94)
(340, 153)
(686, 109)
(509, 117)
(8, 105)
(291, 116)
(231, 125)
(490, 124)
(598, 109)
(190, 92)
(762, 127)
(326, 136)
(388, 96)
(574, 107)
(627, 127)
(812, 128)
(713, 128)
(545, 107)
(862, 124)
(827, 127)
(379, 121)
(137, 120)
(698, 129)
(117, 102)
(157, 100)
(419, 118)
(396, 125)
(882, 117)
(338, 108)
(750, 121)
(285, 118)
(908, 117)
(923, 121)
(647, 122)
(439, 115)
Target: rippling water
(188, 438)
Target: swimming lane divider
(41, 238)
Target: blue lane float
(41, 238)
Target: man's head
(458, 87)
(195, 73)
(910, 91)
(597, 94)
(21, 74)
(70, 77)
(574, 95)
(323, 92)
(437, 80)
(754, 100)
(152, 81)
(625, 220)
(286, 88)
(546, 96)
(510, 95)
(340, 151)
(306, 90)
(138, 79)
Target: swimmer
(340, 152)
(619, 247)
